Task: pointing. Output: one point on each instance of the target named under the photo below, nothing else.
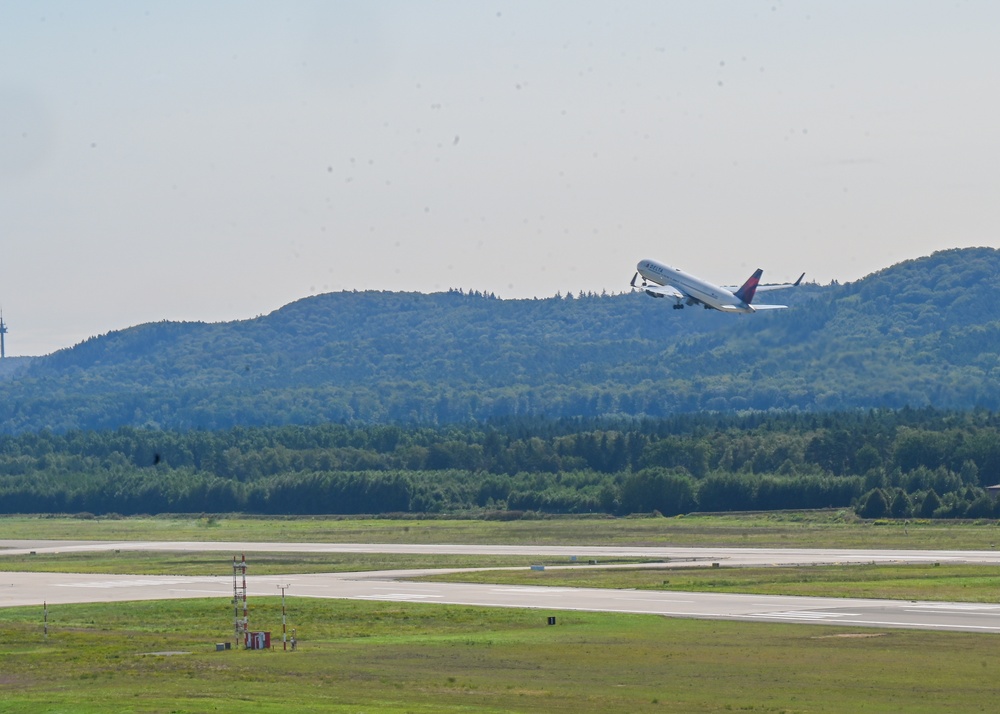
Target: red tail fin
(746, 292)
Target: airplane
(663, 281)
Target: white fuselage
(700, 290)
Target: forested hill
(924, 332)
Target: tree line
(884, 463)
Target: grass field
(955, 583)
(386, 657)
(827, 529)
(212, 563)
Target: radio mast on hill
(3, 331)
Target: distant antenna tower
(3, 331)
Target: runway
(706, 556)
(27, 589)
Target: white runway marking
(920, 625)
(807, 615)
(952, 606)
(133, 583)
(396, 596)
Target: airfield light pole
(240, 593)
(246, 617)
(284, 628)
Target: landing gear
(677, 306)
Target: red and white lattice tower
(240, 595)
(284, 625)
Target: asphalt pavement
(32, 589)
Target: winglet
(746, 292)
(796, 283)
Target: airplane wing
(757, 307)
(664, 291)
(782, 286)
(762, 287)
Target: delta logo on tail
(663, 281)
(749, 288)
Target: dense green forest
(884, 463)
(920, 333)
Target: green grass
(387, 657)
(130, 562)
(265, 563)
(956, 583)
(827, 529)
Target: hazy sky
(217, 160)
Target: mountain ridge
(922, 332)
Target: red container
(258, 641)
